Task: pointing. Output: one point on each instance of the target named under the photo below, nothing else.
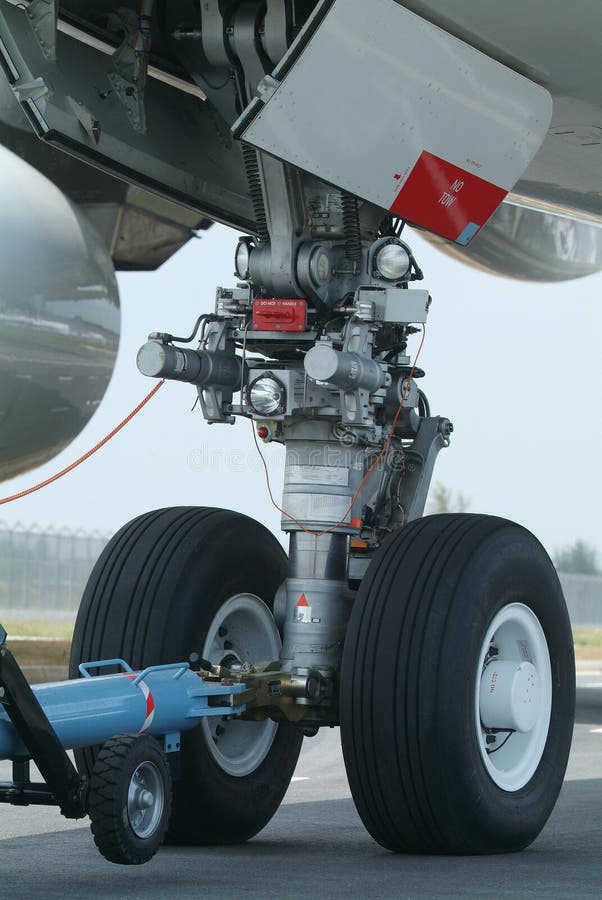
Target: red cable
(89, 453)
(386, 445)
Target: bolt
(219, 730)
(490, 739)
(223, 631)
(227, 645)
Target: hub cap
(146, 798)
(513, 696)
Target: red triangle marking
(302, 601)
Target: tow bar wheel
(457, 688)
(129, 799)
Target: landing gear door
(381, 103)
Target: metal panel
(186, 152)
(389, 107)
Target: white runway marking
(299, 778)
(591, 731)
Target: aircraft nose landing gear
(386, 622)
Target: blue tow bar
(137, 717)
(161, 701)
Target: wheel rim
(513, 696)
(242, 631)
(146, 799)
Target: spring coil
(252, 169)
(351, 227)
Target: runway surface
(316, 846)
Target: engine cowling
(530, 245)
(59, 315)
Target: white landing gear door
(387, 106)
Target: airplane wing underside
(175, 142)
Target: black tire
(150, 599)
(127, 831)
(412, 740)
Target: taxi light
(267, 396)
(393, 261)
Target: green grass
(588, 637)
(588, 641)
(62, 630)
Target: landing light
(267, 396)
(242, 258)
(392, 261)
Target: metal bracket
(86, 119)
(213, 398)
(433, 435)
(26, 91)
(171, 742)
(131, 97)
(267, 87)
(355, 404)
(129, 77)
(43, 15)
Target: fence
(583, 595)
(43, 572)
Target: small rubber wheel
(457, 688)
(186, 579)
(129, 798)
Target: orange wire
(386, 445)
(87, 455)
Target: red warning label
(446, 199)
(302, 610)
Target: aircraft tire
(188, 579)
(458, 649)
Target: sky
(515, 366)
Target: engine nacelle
(59, 315)
(531, 245)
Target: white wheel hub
(510, 696)
(242, 631)
(513, 696)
